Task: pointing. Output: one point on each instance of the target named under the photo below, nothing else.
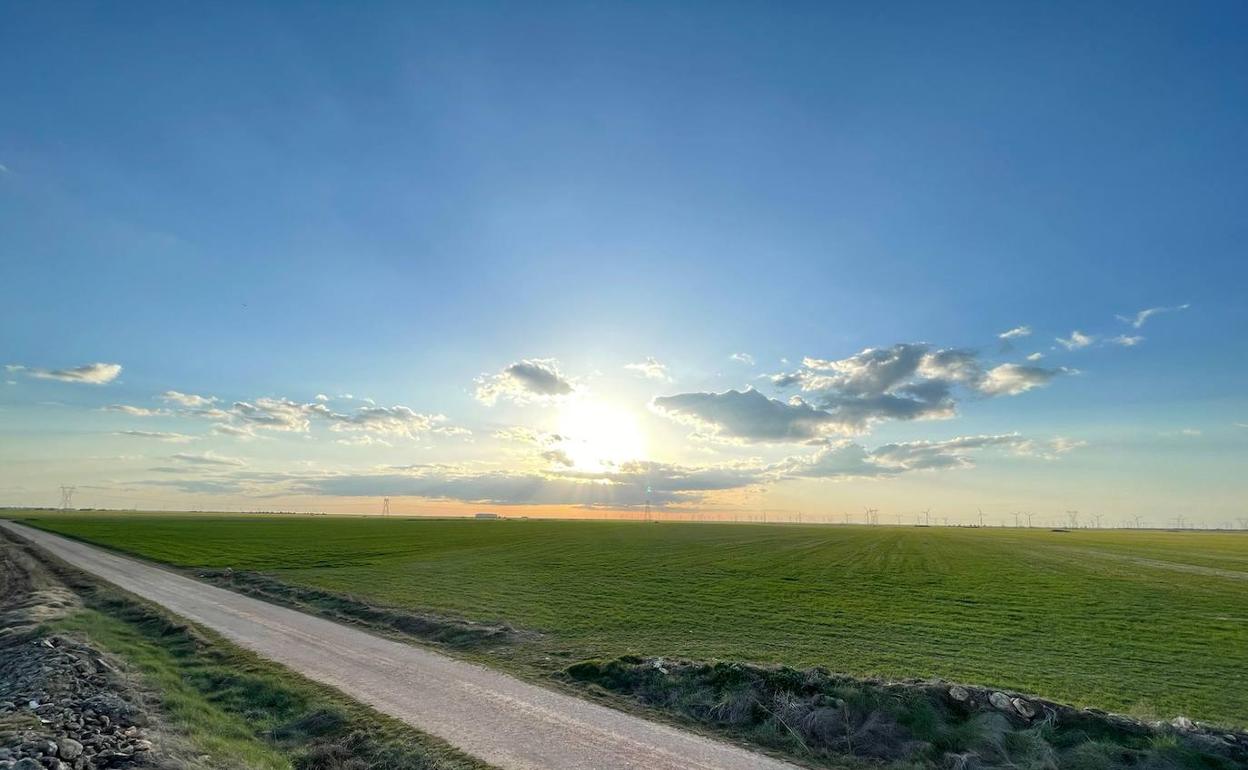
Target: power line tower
(385, 506)
(1074, 519)
(67, 496)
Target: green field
(1150, 623)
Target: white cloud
(189, 400)
(846, 459)
(208, 458)
(1013, 379)
(531, 380)
(172, 438)
(1126, 341)
(322, 397)
(742, 358)
(386, 421)
(1076, 340)
(362, 439)
(92, 374)
(1139, 319)
(135, 411)
(244, 419)
(1015, 333)
(651, 369)
(278, 414)
(1035, 356)
(225, 429)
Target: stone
(959, 694)
(26, 763)
(1000, 701)
(69, 749)
(1183, 723)
(142, 745)
(1023, 707)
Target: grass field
(1151, 623)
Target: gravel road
(500, 719)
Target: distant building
(484, 515)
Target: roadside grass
(1154, 624)
(243, 711)
(838, 721)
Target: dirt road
(500, 719)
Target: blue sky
(273, 202)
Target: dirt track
(500, 719)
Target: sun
(598, 435)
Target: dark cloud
(748, 415)
(536, 379)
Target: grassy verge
(839, 721)
(240, 709)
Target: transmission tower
(67, 496)
(385, 506)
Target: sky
(730, 259)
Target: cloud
(1139, 319)
(523, 435)
(92, 374)
(387, 421)
(189, 400)
(1126, 341)
(908, 381)
(244, 419)
(173, 438)
(362, 439)
(651, 369)
(278, 414)
(1015, 333)
(1035, 356)
(1013, 379)
(322, 397)
(530, 380)
(1186, 432)
(135, 411)
(225, 429)
(625, 485)
(1076, 340)
(846, 459)
(743, 358)
(748, 416)
(208, 458)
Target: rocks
(959, 694)
(1000, 701)
(69, 749)
(1024, 708)
(75, 714)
